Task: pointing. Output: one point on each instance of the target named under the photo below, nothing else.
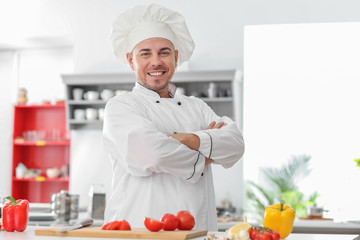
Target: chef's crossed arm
(193, 141)
(132, 140)
(224, 144)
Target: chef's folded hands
(193, 141)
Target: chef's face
(154, 61)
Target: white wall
(216, 26)
(89, 164)
(39, 72)
(302, 97)
(7, 96)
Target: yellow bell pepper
(279, 218)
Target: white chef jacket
(153, 173)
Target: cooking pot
(315, 211)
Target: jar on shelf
(212, 90)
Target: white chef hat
(149, 21)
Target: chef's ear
(129, 57)
(176, 57)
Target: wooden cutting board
(140, 233)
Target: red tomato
(124, 225)
(265, 236)
(275, 235)
(115, 225)
(186, 220)
(253, 233)
(258, 235)
(170, 222)
(105, 226)
(153, 224)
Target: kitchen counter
(324, 226)
(313, 226)
(29, 234)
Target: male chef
(162, 144)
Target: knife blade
(83, 223)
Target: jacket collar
(144, 90)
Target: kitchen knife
(83, 223)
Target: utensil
(91, 113)
(91, 95)
(106, 94)
(83, 223)
(79, 114)
(78, 93)
(101, 113)
(315, 211)
(97, 201)
(212, 90)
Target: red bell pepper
(15, 215)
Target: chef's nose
(156, 60)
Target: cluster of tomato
(262, 233)
(169, 222)
(116, 225)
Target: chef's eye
(164, 53)
(144, 54)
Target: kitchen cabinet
(41, 143)
(225, 99)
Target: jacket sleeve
(141, 149)
(225, 145)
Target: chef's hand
(192, 140)
(214, 125)
(188, 139)
(208, 161)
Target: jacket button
(179, 103)
(202, 174)
(158, 101)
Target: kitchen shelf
(41, 143)
(60, 179)
(85, 124)
(57, 105)
(74, 121)
(218, 99)
(227, 103)
(86, 102)
(50, 121)
(100, 102)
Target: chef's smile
(156, 74)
